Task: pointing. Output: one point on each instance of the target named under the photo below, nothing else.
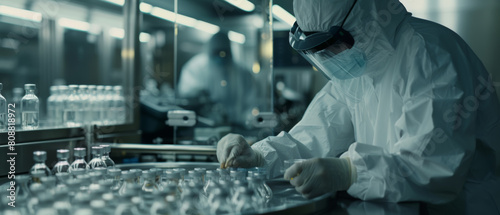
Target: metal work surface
(286, 200)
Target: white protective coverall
(422, 123)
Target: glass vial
(79, 162)
(72, 107)
(39, 167)
(30, 108)
(106, 149)
(62, 164)
(96, 158)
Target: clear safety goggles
(318, 46)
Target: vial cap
(73, 87)
(39, 156)
(80, 152)
(96, 150)
(106, 148)
(62, 154)
(128, 174)
(118, 87)
(115, 172)
(29, 86)
(148, 174)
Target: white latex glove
(234, 151)
(315, 177)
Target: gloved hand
(318, 176)
(234, 151)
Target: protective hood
(373, 24)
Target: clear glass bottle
(128, 181)
(106, 149)
(211, 182)
(63, 178)
(201, 171)
(22, 190)
(162, 204)
(16, 100)
(182, 182)
(62, 164)
(118, 102)
(220, 203)
(223, 174)
(72, 105)
(30, 108)
(45, 204)
(195, 177)
(245, 201)
(97, 158)
(3, 111)
(171, 177)
(258, 184)
(23, 195)
(189, 203)
(79, 162)
(94, 186)
(129, 201)
(59, 103)
(94, 105)
(137, 173)
(107, 98)
(115, 175)
(49, 182)
(39, 167)
(81, 204)
(61, 201)
(52, 106)
(36, 189)
(158, 177)
(83, 115)
(100, 106)
(149, 184)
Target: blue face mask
(350, 63)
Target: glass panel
(220, 68)
(55, 43)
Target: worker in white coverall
(409, 113)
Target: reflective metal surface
(165, 148)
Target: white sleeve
(429, 162)
(325, 131)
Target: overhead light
(117, 33)
(242, 4)
(145, 7)
(144, 37)
(186, 20)
(74, 24)
(117, 2)
(207, 27)
(20, 13)
(236, 37)
(283, 15)
(163, 14)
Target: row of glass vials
(67, 106)
(76, 105)
(110, 190)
